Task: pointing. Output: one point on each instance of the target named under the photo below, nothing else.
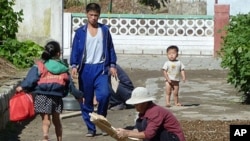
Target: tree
(21, 54)
(235, 54)
(9, 20)
(156, 4)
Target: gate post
(221, 19)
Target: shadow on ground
(13, 130)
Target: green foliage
(155, 4)
(235, 53)
(69, 3)
(21, 54)
(9, 20)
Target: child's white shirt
(173, 69)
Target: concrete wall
(187, 8)
(150, 34)
(6, 92)
(236, 6)
(42, 20)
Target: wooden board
(102, 123)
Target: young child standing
(49, 80)
(171, 71)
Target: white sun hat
(140, 95)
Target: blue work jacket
(79, 46)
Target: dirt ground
(74, 128)
(7, 71)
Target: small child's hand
(81, 100)
(170, 83)
(168, 80)
(19, 89)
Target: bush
(235, 54)
(69, 3)
(9, 20)
(20, 54)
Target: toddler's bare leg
(45, 126)
(168, 94)
(176, 93)
(58, 126)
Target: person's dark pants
(123, 93)
(162, 134)
(94, 81)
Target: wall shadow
(13, 130)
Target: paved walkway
(205, 97)
(155, 62)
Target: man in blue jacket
(93, 57)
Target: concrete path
(155, 62)
(205, 96)
(212, 99)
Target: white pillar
(67, 35)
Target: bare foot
(178, 104)
(168, 105)
(45, 138)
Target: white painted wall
(67, 35)
(236, 6)
(42, 20)
(128, 39)
(200, 46)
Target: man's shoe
(104, 133)
(118, 107)
(90, 134)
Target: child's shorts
(48, 104)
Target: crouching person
(154, 122)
